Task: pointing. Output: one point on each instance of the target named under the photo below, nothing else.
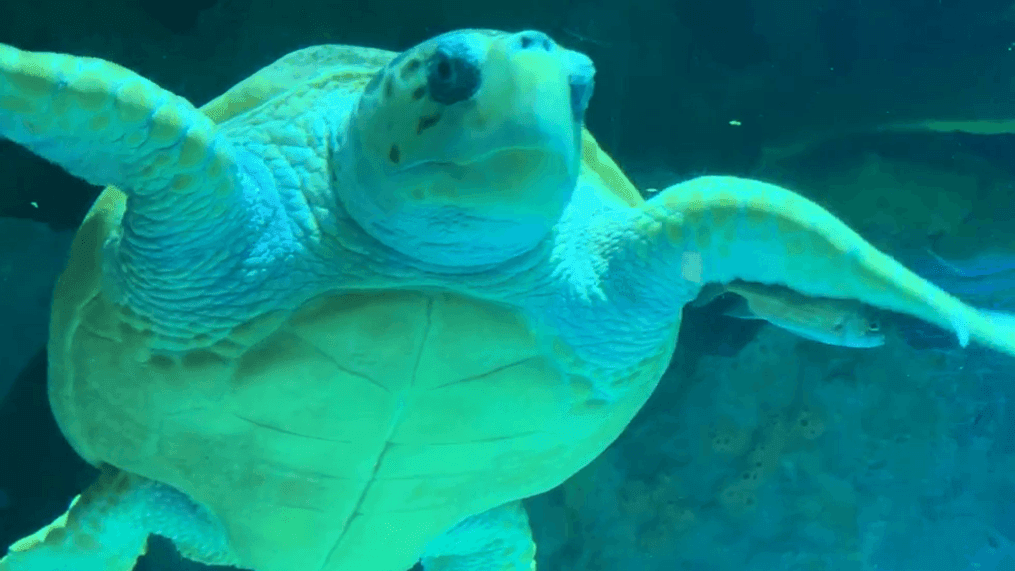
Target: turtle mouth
(515, 165)
(474, 161)
(483, 160)
(494, 176)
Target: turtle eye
(452, 77)
(838, 326)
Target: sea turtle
(384, 299)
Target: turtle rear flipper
(107, 528)
(499, 538)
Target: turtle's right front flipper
(200, 212)
(108, 125)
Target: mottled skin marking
(427, 122)
(411, 67)
(374, 83)
(383, 75)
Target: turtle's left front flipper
(718, 229)
(108, 125)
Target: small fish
(843, 322)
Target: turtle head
(464, 150)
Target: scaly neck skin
(616, 300)
(583, 285)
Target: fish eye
(874, 326)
